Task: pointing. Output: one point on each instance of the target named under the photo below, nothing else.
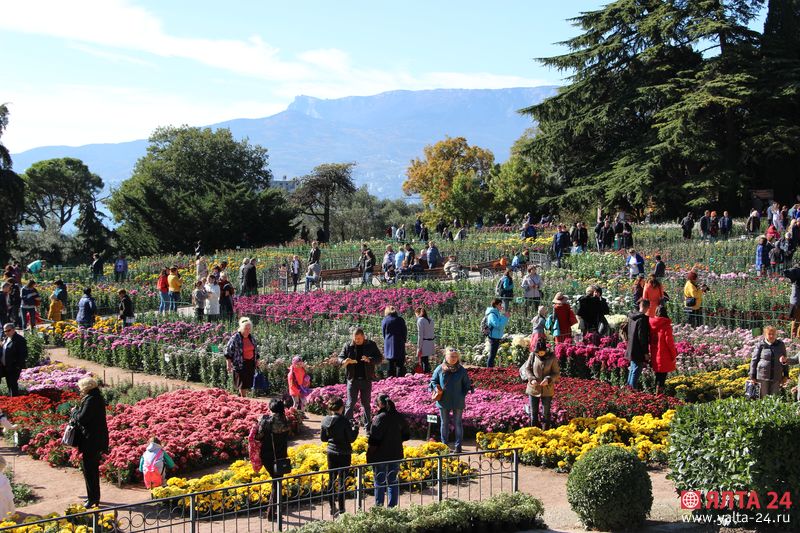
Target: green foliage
(129, 393)
(12, 194)
(609, 488)
(328, 187)
(504, 512)
(93, 235)
(672, 103)
(736, 444)
(23, 493)
(55, 188)
(199, 184)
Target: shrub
(736, 444)
(609, 489)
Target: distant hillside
(382, 133)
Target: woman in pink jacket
(299, 382)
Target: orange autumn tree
(434, 176)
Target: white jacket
(212, 299)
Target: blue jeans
(366, 277)
(386, 475)
(494, 345)
(173, 300)
(445, 419)
(634, 371)
(163, 306)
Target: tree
(93, 235)
(55, 188)
(12, 193)
(202, 184)
(433, 177)
(469, 198)
(517, 185)
(317, 192)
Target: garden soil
(59, 487)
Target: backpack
(254, 449)
(485, 328)
(152, 471)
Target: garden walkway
(59, 487)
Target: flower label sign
(432, 420)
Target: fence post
(515, 474)
(279, 511)
(439, 483)
(192, 513)
(360, 488)
(94, 522)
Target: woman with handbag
(542, 372)
(273, 433)
(91, 436)
(693, 300)
(242, 355)
(450, 384)
(385, 446)
(340, 433)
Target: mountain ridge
(382, 133)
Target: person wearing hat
(91, 436)
(542, 373)
(562, 319)
(13, 358)
(385, 446)
(87, 309)
(299, 383)
(7, 506)
(242, 355)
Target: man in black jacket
(638, 342)
(315, 253)
(687, 225)
(385, 445)
(13, 357)
(705, 225)
(589, 311)
(359, 357)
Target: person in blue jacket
(395, 335)
(497, 324)
(454, 382)
(762, 256)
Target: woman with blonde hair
(426, 345)
(242, 355)
(91, 436)
(395, 335)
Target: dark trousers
(397, 368)
(494, 345)
(198, 313)
(91, 475)
(119, 276)
(12, 377)
(359, 388)
(534, 402)
(336, 480)
(15, 316)
(694, 317)
(425, 362)
(294, 281)
(661, 380)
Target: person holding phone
(359, 357)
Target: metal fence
(304, 498)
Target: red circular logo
(690, 499)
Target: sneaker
(458, 449)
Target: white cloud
(83, 114)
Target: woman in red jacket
(163, 289)
(662, 347)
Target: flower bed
(562, 446)
(52, 376)
(304, 306)
(499, 400)
(305, 459)
(68, 523)
(197, 428)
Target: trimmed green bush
(737, 444)
(505, 512)
(609, 488)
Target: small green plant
(129, 393)
(23, 494)
(609, 488)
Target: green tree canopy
(434, 177)
(328, 186)
(12, 193)
(201, 184)
(56, 188)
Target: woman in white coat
(425, 338)
(212, 299)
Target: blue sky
(112, 70)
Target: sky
(89, 71)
